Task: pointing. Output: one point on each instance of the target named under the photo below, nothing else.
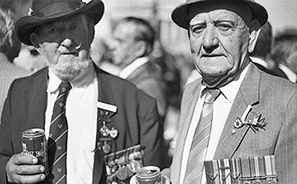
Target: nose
(210, 38)
(67, 42)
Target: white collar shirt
(221, 108)
(81, 113)
(132, 67)
(289, 73)
(259, 61)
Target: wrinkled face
(65, 44)
(124, 46)
(219, 45)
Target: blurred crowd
(276, 54)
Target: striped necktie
(57, 143)
(200, 140)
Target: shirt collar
(230, 90)
(54, 82)
(133, 66)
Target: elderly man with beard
(102, 114)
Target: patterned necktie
(57, 143)
(200, 140)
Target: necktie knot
(211, 95)
(64, 87)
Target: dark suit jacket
(148, 78)
(136, 118)
(275, 99)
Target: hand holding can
(34, 143)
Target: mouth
(212, 55)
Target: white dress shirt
(81, 113)
(221, 108)
(132, 67)
(289, 73)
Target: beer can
(34, 143)
(149, 175)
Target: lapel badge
(256, 122)
(113, 132)
(104, 130)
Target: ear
(91, 33)
(255, 29)
(141, 48)
(34, 40)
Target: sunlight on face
(65, 44)
(219, 44)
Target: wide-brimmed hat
(180, 13)
(44, 11)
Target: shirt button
(61, 104)
(59, 147)
(60, 125)
(59, 170)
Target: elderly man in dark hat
(96, 125)
(237, 123)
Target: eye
(75, 27)
(197, 29)
(224, 26)
(52, 30)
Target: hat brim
(180, 13)
(26, 25)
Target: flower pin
(256, 123)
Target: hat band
(57, 8)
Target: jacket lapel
(104, 95)
(184, 123)
(35, 99)
(248, 94)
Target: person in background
(86, 114)
(236, 118)
(284, 45)
(134, 40)
(9, 48)
(102, 57)
(260, 55)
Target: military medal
(106, 147)
(104, 130)
(113, 132)
(107, 134)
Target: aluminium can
(34, 143)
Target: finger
(23, 159)
(29, 169)
(28, 178)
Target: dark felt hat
(44, 11)
(180, 13)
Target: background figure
(235, 114)
(283, 51)
(102, 57)
(9, 48)
(134, 39)
(261, 53)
